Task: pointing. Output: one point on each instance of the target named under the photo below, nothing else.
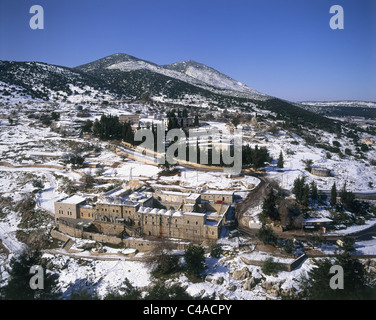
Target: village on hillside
(83, 196)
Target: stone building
(176, 215)
(132, 118)
(68, 207)
(219, 196)
(321, 172)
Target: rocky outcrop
(249, 284)
(241, 274)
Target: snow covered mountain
(41, 81)
(210, 76)
(344, 103)
(115, 59)
(341, 108)
(190, 72)
(119, 76)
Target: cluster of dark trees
(109, 127)
(359, 209)
(255, 157)
(353, 283)
(304, 191)
(269, 208)
(73, 158)
(173, 118)
(173, 121)
(163, 262)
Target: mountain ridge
(189, 71)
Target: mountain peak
(189, 71)
(110, 60)
(210, 76)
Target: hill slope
(123, 67)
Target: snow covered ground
(76, 274)
(214, 180)
(27, 144)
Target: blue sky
(282, 48)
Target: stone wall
(59, 236)
(283, 266)
(141, 245)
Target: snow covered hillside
(210, 76)
(189, 72)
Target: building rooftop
(193, 196)
(317, 220)
(74, 199)
(176, 193)
(194, 214)
(218, 192)
(118, 202)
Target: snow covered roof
(176, 193)
(75, 199)
(169, 213)
(218, 192)
(194, 214)
(141, 209)
(193, 196)
(317, 220)
(178, 213)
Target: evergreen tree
(305, 199)
(269, 208)
(298, 189)
(194, 259)
(196, 121)
(125, 292)
(18, 286)
(333, 195)
(308, 164)
(280, 162)
(96, 127)
(348, 200)
(87, 126)
(161, 292)
(355, 280)
(314, 191)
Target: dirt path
(87, 255)
(253, 200)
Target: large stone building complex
(190, 216)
